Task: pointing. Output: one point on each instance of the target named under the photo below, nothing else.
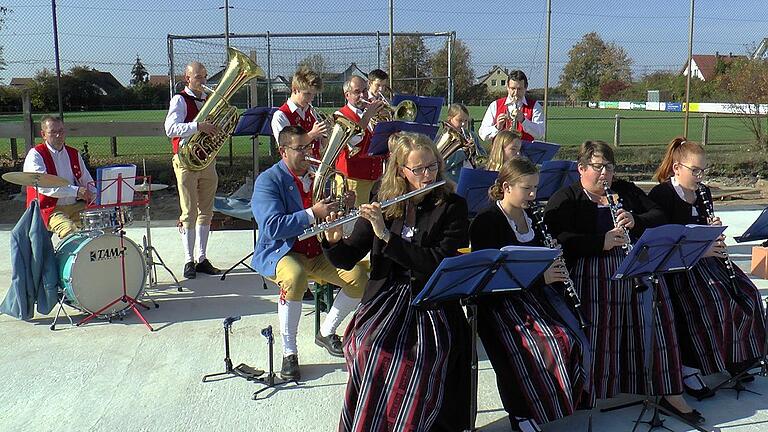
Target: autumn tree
(463, 74)
(591, 63)
(747, 84)
(411, 60)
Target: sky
(108, 35)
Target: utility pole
(56, 56)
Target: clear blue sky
(108, 34)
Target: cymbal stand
(150, 253)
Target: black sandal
(702, 393)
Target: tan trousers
(362, 189)
(65, 219)
(294, 271)
(196, 192)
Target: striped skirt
(622, 321)
(714, 331)
(538, 359)
(409, 369)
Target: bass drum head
(91, 271)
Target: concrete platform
(119, 376)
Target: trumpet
(321, 117)
(354, 214)
(511, 122)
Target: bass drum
(91, 273)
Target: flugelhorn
(354, 214)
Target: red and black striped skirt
(409, 369)
(621, 330)
(714, 331)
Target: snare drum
(90, 271)
(106, 219)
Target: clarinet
(709, 212)
(570, 290)
(614, 206)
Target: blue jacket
(280, 215)
(34, 274)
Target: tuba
(343, 130)
(199, 150)
(455, 139)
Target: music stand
(553, 176)
(467, 277)
(538, 151)
(662, 250)
(380, 138)
(473, 187)
(428, 108)
(757, 231)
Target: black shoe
(189, 270)
(290, 369)
(741, 367)
(206, 267)
(692, 417)
(520, 424)
(701, 393)
(332, 343)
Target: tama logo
(105, 254)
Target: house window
(503, 82)
(493, 83)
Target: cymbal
(150, 187)
(30, 178)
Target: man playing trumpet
(516, 112)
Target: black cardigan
(441, 229)
(677, 210)
(572, 217)
(491, 230)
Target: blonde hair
(456, 109)
(393, 184)
(306, 79)
(496, 156)
(511, 172)
(677, 151)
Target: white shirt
(679, 189)
(66, 194)
(534, 126)
(522, 238)
(177, 112)
(280, 120)
(355, 139)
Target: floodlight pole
(546, 66)
(391, 43)
(690, 71)
(56, 56)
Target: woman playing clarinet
(718, 310)
(409, 369)
(595, 237)
(532, 339)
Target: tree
(139, 73)
(43, 93)
(411, 60)
(3, 12)
(591, 63)
(315, 62)
(747, 84)
(463, 74)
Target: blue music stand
(381, 132)
(473, 187)
(428, 108)
(255, 121)
(757, 231)
(661, 250)
(467, 277)
(555, 175)
(538, 151)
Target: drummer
(60, 206)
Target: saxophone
(200, 150)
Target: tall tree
(591, 63)
(411, 60)
(463, 74)
(316, 62)
(747, 84)
(139, 73)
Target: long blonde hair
(393, 184)
(496, 156)
(677, 151)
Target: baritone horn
(404, 111)
(200, 150)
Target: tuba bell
(404, 111)
(200, 150)
(454, 139)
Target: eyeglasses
(301, 149)
(57, 132)
(697, 172)
(599, 166)
(420, 171)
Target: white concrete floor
(119, 376)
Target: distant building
(495, 80)
(21, 82)
(704, 66)
(163, 80)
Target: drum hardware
(150, 253)
(242, 370)
(35, 179)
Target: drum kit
(89, 260)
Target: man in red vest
(517, 109)
(197, 189)
(297, 110)
(60, 206)
(360, 169)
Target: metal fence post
(113, 146)
(29, 126)
(14, 149)
(617, 131)
(705, 130)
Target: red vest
(306, 123)
(47, 204)
(311, 246)
(527, 109)
(360, 166)
(192, 111)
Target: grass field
(643, 135)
